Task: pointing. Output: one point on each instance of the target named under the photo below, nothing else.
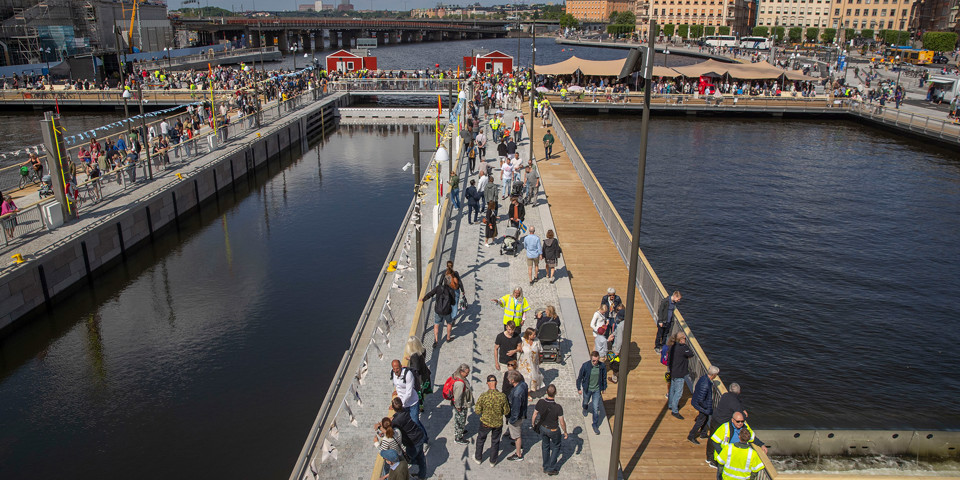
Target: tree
(569, 21)
(794, 34)
(939, 41)
(668, 30)
(895, 37)
(778, 34)
(813, 34)
(761, 32)
(613, 17)
(696, 31)
(711, 30)
(626, 18)
(849, 34)
(683, 31)
(724, 30)
(867, 33)
(620, 29)
(828, 35)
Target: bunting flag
(329, 451)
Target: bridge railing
(427, 85)
(936, 127)
(164, 61)
(726, 100)
(649, 286)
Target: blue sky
(358, 4)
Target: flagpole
(213, 101)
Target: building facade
(597, 10)
(936, 16)
(709, 13)
(856, 14)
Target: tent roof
(744, 71)
(659, 71)
(586, 67)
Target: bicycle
(91, 192)
(28, 175)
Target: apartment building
(855, 14)
(597, 10)
(732, 13)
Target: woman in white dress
(529, 362)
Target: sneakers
(656, 349)
(596, 430)
(477, 460)
(553, 473)
(677, 414)
(711, 464)
(515, 458)
(693, 440)
(493, 463)
(462, 441)
(584, 412)
(435, 343)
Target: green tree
(569, 21)
(828, 35)
(723, 30)
(683, 31)
(711, 30)
(867, 33)
(895, 37)
(939, 41)
(794, 34)
(613, 16)
(620, 29)
(552, 12)
(626, 18)
(668, 30)
(761, 32)
(778, 34)
(696, 31)
(849, 34)
(813, 34)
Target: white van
(948, 87)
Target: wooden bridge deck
(654, 444)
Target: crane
(133, 17)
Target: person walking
(9, 210)
(455, 189)
(702, 401)
(490, 222)
(517, 398)
(462, 402)
(548, 144)
(481, 142)
(492, 406)
(531, 184)
(506, 346)
(481, 189)
(517, 212)
(613, 357)
(528, 363)
(473, 198)
(443, 307)
(665, 319)
(405, 388)
(551, 253)
(599, 320)
(490, 192)
(591, 383)
(738, 460)
(548, 419)
(506, 176)
(679, 365)
(412, 436)
(515, 307)
(533, 247)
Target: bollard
(17, 258)
(392, 267)
(179, 176)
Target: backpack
(448, 387)
(665, 355)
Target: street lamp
(294, 49)
(899, 70)
(666, 53)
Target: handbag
(462, 305)
(536, 425)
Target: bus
(720, 41)
(908, 55)
(755, 43)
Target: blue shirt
(518, 402)
(533, 246)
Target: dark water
(206, 354)
(819, 260)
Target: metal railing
(726, 100)
(888, 115)
(648, 284)
(162, 63)
(112, 97)
(427, 85)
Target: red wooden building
(344, 61)
(495, 61)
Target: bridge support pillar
(305, 43)
(318, 40)
(255, 39)
(335, 39)
(418, 36)
(347, 39)
(392, 37)
(284, 43)
(381, 38)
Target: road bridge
(309, 33)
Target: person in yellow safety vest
(536, 107)
(515, 307)
(737, 460)
(731, 430)
(563, 93)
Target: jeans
(455, 197)
(473, 212)
(548, 150)
(662, 334)
(414, 411)
(456, 305)
(415, 454)
(593, 400)
(550, 447)
(676, 391)
(496, 432)
(507, 182)
(700, 426)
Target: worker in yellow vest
(737, 460)
(731, 430)
(515, 307)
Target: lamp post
(294, 50)
(899, 70)
(143, 130)
(666, 55)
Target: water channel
(818, 261)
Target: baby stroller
(511, 241)
(46, 187)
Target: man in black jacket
(473, 202)
(680, 354)
(443, 307)
(665, 319)
(702, 401)
(413, 437)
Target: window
(904, 12)
(874, 14)
(846, 24)
(855, 24)
(848, 12)
(856, 12)
(883, 12)
(836, 12)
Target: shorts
(514, 428)
(533, 262)
(439, 319)
(550, 263)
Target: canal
(208, 352)
(818, 260)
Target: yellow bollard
(392, 267)
(17, 258)
(179, 176)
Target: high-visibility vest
(722, 436)
(739, 463)
(513, 309)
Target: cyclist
(36, 164)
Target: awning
(943, 80)
(586, 67)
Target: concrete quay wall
(56, 270)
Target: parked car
(940, 58)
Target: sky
(357, 4)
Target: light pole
(294, 49)
(666, 55)
(899, 70)
(143, 130)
